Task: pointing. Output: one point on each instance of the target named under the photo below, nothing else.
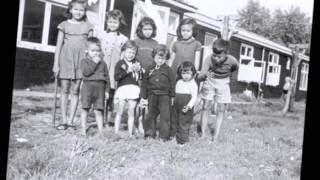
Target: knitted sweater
(92, 71)
(123, 77)
(158, 81)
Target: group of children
(140, 71)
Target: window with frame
(246, 54)
(33, 21)
(273, 70)
(55, 18)
(246, 51)
(38, 20)
(250, 69)
(273, 62)
(304, 76)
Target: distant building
(261, 60)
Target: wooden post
(225, 28)
(289, 102)
(294, 75)
(228, 29)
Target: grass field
(256, 142)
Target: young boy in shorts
(216, 71)
(96, 83)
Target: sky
(213, 8)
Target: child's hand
(136, 67)
(130, 69)
(101, 55)
(186, 109)
(56, 70)
(106, 94)
(96, 59)
(201, 77)
(143, 102)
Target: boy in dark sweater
(95, 85)
(157, 91)
(217, 70)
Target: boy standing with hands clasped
(217, 70)
(96, 84)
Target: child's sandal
(62, 127)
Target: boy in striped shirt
(216, 71)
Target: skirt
(127, 92)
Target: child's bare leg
(204, 116)
(99, 120)
(140, 126)
(74, 99)
(65, 85)
(117, 120)
(84, 115)
(131, 112)
(221, 109)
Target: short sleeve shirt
(185, 51)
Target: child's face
(93, 50)
(147, 31)
(113, 24)
(219, 57)
(78, 11)
(159, 60)
(186, 75)
(130, 54)
(186, 31)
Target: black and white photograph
(160, 89)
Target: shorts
(93, 93)
(216, 89)
(110, 99)
(127, 92)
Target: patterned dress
(111, 43)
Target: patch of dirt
(288, 142)
(263, 123)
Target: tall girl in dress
(186, 48)
(70, 49)
(127, 74)
(146, 31)
(111, 42)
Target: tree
(284, 27)
(256, 18)
(292, 26)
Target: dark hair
(129, 44)
(146, 21)
(68, 14)
(162, 51)
(220, 45)
(187, 21)
(93, 40)
(186, 66)
(116, 14)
